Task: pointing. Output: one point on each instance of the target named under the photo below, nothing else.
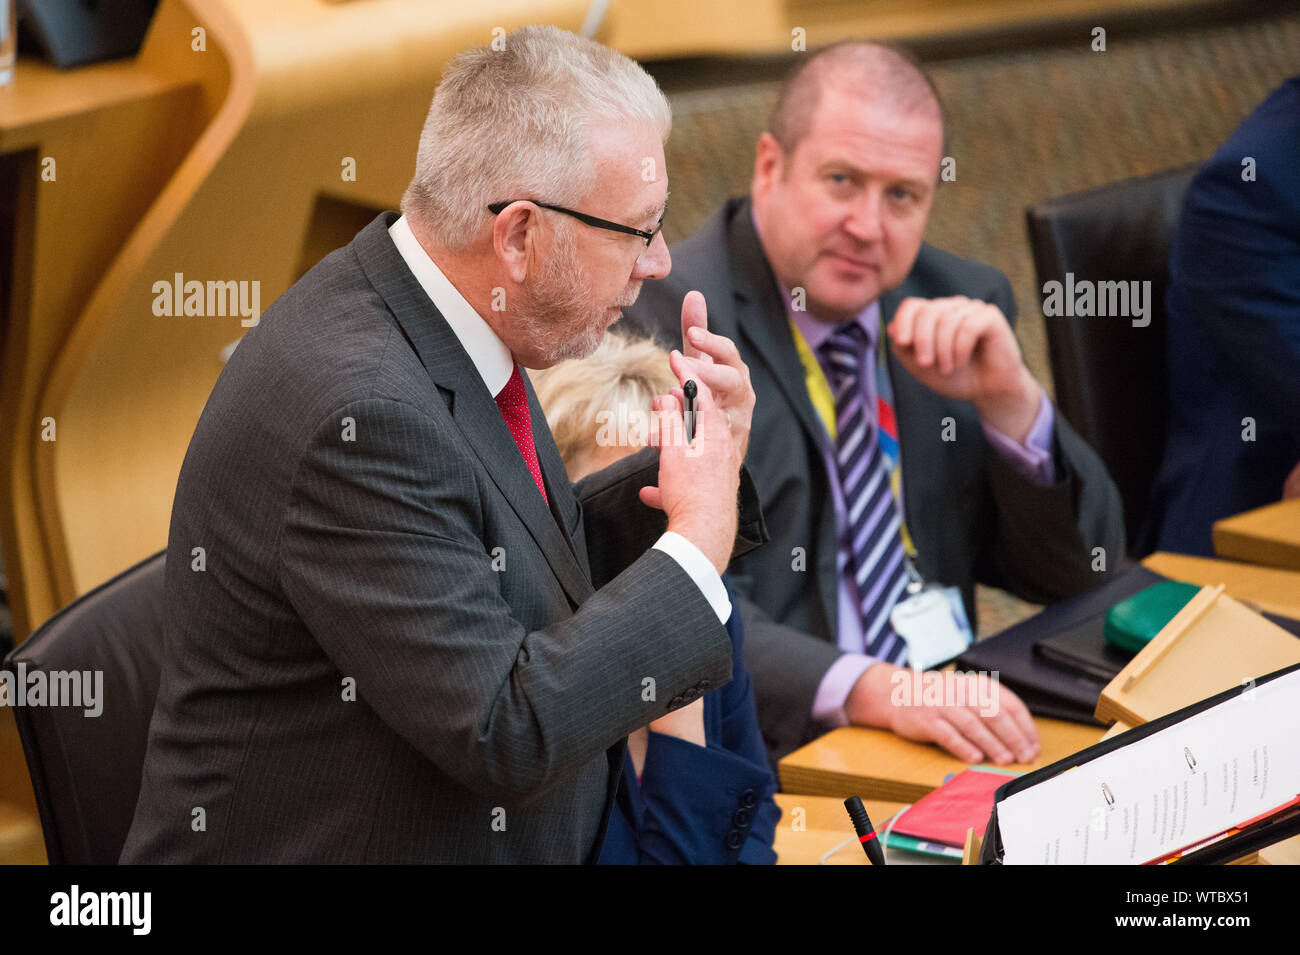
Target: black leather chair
(86, 770)
(1111, 379)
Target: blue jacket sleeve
(710, 805)
(1235, 264)
(739, 733)
(701, 804)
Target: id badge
(933, 624)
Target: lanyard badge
(931, 618)
(932, 621)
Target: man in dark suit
(806, 274)
(395, 631)
(1234, 333)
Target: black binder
(1053, 688)
(1084, 649)
(1047, 688)
(1218, 853)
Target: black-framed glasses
(496, 207)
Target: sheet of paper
(1183, 784)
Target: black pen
(690, 390)
(866, 834)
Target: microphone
(866, 833)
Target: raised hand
(965, 349)
(699, 482)
(714, 361)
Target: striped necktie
(878, 559)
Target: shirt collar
(815, 332)
(489, 354)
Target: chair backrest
(86, 769)
(1110, 375)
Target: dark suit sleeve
(383, 555)
(618, 527)
(787, 667)
(1044, 546)
(1044, 539)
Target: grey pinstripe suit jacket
(349, 483)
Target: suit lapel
(564, 504)
(762, 319)
(910, 397)
(889, 303)
(472, 406)
(479, 418)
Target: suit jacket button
(741, 818)
(735, 839)
(749, 798)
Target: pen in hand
(690, 390)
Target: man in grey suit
(809, 274)
(395, 632)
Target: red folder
(963, 802)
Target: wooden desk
(828, 826)
(21, 842)
(653, 29)
(1268, 535)
(1271, 589)
(876, 764)
(1268, 588)
(879, 765)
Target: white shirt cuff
(700, 569)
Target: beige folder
(1213, 644)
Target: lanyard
(823, 402)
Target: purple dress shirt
(1033, 459)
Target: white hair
(514, 123)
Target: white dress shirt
(495, 365)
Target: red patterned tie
(513, 402)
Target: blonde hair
(514, 121)
(622, 372)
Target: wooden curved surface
(308, 84)
(98, 126)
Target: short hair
(515, 123)
(890, 74)
(622, 371)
